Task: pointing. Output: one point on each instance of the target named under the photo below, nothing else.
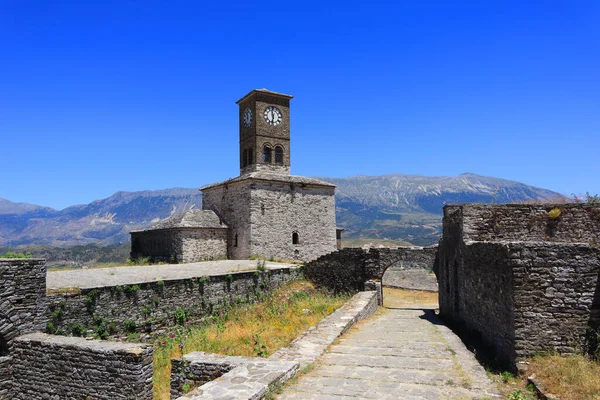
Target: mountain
(409, 207)
(397, 207)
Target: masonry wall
(203, 244)
(232, 204)
(576, 223)
(156, 306)
(476, 296)
(22, 308)
(56, 367)
(520, 281)
(555, 286)
(279, 209)
(341, 271)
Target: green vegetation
(554, 213)
(138, 261)
(11, 254)
(257, 329)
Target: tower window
(267, 155)
(278, 155)
(235, 240)
(295, 238)
(245, 158)
(251, 155)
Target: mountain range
(396, 206)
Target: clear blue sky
(97, 97)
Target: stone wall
(278, 209)
(184, 245)
(512, 292)
(22, 296)
(57, 367)
(554, 290)
(476, 296)
(232, 204)
(22, 308)
(152, 306)
(577, 222)
(203, 244)
(348, 269)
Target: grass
(573, 377)
(257, 329)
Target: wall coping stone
(83, 343)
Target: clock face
(247, 117)
(272, 115)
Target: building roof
(272, 177)
(191, 219)
(286, 96)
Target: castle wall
(53, 367)
(232, 204)
(513, 292)
(278, 209)
(531, 222)
(152, 306)
(22, 308)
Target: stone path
(97, 277)
(399, 353)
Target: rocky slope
(400, 207)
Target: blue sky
(97, 97)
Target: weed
(77, 329)
(186, 387)
(180, 317)
(129, 326)
(507, 377)
(131, 289)
(516, 395)
(260, 346)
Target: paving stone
(396, 354)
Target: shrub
(77, 329)
(180, 317)
(129, 326)
(554, 213)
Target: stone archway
(378, 261)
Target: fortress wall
(52, 367)
(555, 286)
(520, 282)
(578, 222)
(152, 306)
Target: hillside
(396, 207)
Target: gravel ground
(98, 277)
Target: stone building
(265, 211)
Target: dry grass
(394, 297)
(569, 377)
(69, 290)
(257, 329)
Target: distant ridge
(394, 207)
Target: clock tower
(264, 118)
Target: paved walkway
(98, 277)
(399, 353)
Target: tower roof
(267, 91)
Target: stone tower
(264, 132)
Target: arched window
(295, 238)
(267, 155)
(251, 155)
(235, 240)
(278, 155)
